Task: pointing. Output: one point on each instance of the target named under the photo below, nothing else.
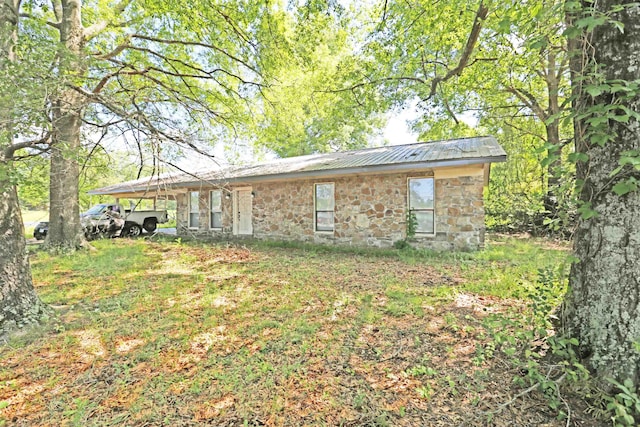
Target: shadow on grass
(170, 332)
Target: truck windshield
(95, 210)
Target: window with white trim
(215, 209)
(421, 204)
(324, 206)
(194, 209)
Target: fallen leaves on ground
(237, 335)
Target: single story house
(429, 193)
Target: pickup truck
(113, 220)
(135, 221)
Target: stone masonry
(370, 210)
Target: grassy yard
(170, 333)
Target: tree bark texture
(65, 230)
(602, 308)
(19, 303)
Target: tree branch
(115, 52)
(108, 77)
(146, 73)
(11, 149)
(234, 27)
(93, 30)
(530, 101)
(481, 15)
(373, 82)
(205, 45)
(50, 23)
(203, 73)
(384, 12)
(141, 120)
(450, 112)
(56, 5)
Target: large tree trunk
(18, 301)
(65, 230)
(602, 308)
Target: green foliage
(550, 363)
(522, 99)
(624, 406)
(544, 361)
(515, 341)
(33, 182)
(98, 170)
(626, 186)
(25, 83)
(412, 224)
(402, 244)
(424, 391)
(629, 163)
(301, 112)
(420, 370)
(547, 292)
(517, 190)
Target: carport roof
(392, 158)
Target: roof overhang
(147, 192)
(363, 170)
(164, 187)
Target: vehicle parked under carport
(102, 221)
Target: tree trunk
(602, 308)
(553, 74)
(18, 301)
(550, 200)
(65, 230)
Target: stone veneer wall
(459, 214)
(182, 215)
(369, 211)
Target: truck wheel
(149, 225)
(132, 230)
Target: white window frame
(211, 211)
(189, 194)
(315, 207)
(409, 210)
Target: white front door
(242, 207)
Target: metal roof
(422, 155)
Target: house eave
(327, 173)
(167, 188)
